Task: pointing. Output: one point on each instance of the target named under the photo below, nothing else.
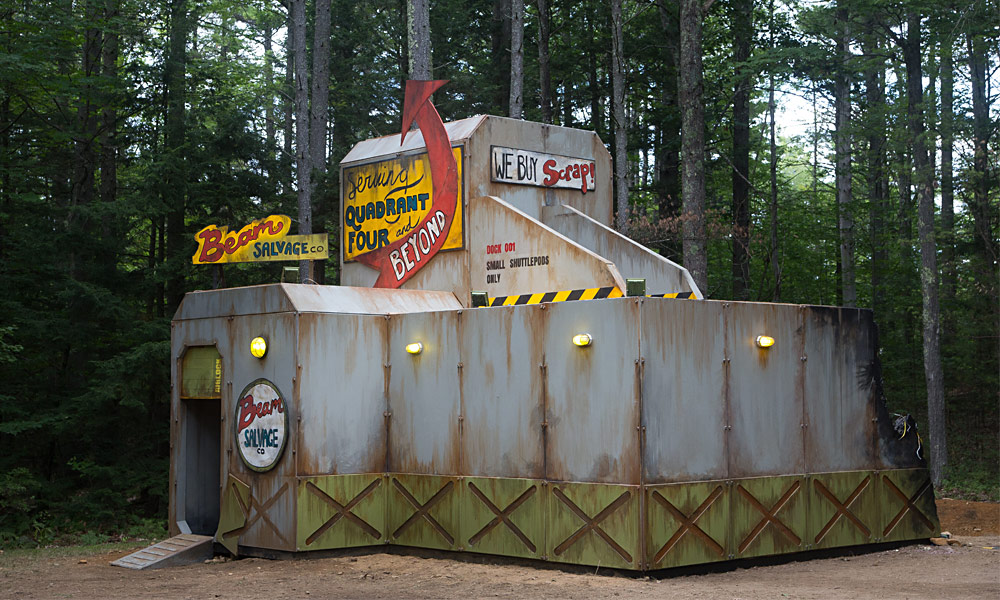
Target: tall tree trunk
(928, 251)
(289, 106)
(516, 59)
(842, 101)
(742, 32)
(593, 82)
(618, 110)
(544, 72)
(318, 117)
(947, 241)
(303, 156)
(109, 114)
(668, 150)
(268, 86)
(983, 215)
(693, 143)
(500, 57)
(175, 134)
(774, 255)
(418, 25)
(84, 155)
(876, 177)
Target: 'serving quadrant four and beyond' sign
(386, 201)
(263, 240)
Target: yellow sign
(263, 240)
(386, 200)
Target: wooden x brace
(769, 516)
(422, 510)
(343, 511)
(908, 505)
(843, 510)
(592, 524)
(689, 524)
(502, 516)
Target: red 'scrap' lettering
(250, 410)
(214, 243)
(573, 171)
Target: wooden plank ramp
(181, 549)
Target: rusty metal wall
(633, 260)
(566, 265)
(502, 392)
(592, 393)
(839, 399)
(341, 394)
(423, 391)
(684, 390)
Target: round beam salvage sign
(261, 425)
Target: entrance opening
(198, 477)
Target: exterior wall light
(583, 339)
(764, 341)
(258, 347)
(415, 348)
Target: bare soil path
(914, 571)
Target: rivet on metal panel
(725, 361)
(222, 418)
(458, 312)
(387, 317)
(544, 557)
(802, 425)
(542, 307)
(637, 361)
(385, 365)
(802, 358)
(387, 414)
(461, 417)
(642, 361)
(460, 365)
(731, 556)
(544, 425)
(229, 318)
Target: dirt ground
(913, 571)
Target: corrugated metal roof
(389, 144)
(289, 297)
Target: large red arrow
(401, 259)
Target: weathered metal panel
(633, 260)
(235, 509)
(424, 400)
(687, 523)
(341, 511)
(342, 400)
(844, 509)
(502, 392)
(503, 516)
(538, 137)
(907, 505)
(366, 300)
(683, 393)
(512, 253)
(764, 390)
(594, 524)
(769, 516)
(201, 373)
(249, 300)
(388, 145)
(271, 517)
(271, 523)
(424, 511)
(839, 402)
(592, 392)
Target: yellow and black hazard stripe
(565, 296)
(674, 295)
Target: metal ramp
(179, 550)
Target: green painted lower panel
(503, 516)
(594, 524)
(769, 516)
(843, 509)
(341, 511)
(908, 509)
(423, 510)
(616, 526)
(687, 523)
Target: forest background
(784, 150)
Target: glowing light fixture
(415, 348)
(258, 347)
(764, 341)
(583, 339)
